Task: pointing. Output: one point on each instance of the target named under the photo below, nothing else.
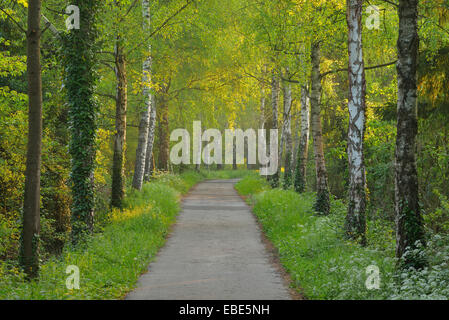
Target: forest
(358, 91)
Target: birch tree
(409, 224)
(151, 133)
(144, 126)
(322, 204)
(355, 224)
(287, 134)
(148, 95)
(275, 92)
(303, 146)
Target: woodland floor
(215, 251)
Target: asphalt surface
(215, 251)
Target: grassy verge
(110, 262)
(323, 265)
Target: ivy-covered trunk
(355, 224)
(322, 204)
(409, 224)
(303, 146)
(80, 65)
(29, 246)
(121, 102)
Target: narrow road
(215, 251)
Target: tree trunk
(262, 108)
(151, 134)
(262, 118)
(409, 224)
(295, 137)
(142, 144)
(80, 63)
(29, 250)
(164, 134)
(262, 99)
(303, 146)
(149, 97)
(275, 91)
(121, 102)
(322, 204)
(287, 135)
(234, 155)
(355, 225)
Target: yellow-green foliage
(13, 119)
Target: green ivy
(79, 47)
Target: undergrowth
(324, 265)
(111, 261)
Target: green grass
(110, 262)
(323, 265)
(251, 184)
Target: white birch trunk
(139, 169)
(355, 218)
(322, 204)
(303, 144)
(151, 135)
(286, 136)
(275, 91)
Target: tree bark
(409, 224)
(262, 99)
(262, 107)
(322, 204)
(355, 225)
(121, 102)
(151, 133)
(142, 144)
(148, 72)
(80, 63)
(164, 134)
(234, 155)
(262, 117)
(275, 92)
(29, 250)
(303, 146)
(286, 137)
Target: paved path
(215, 252)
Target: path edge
(274, 256)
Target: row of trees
(409, 220)
(79, 52)
(137, 69)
